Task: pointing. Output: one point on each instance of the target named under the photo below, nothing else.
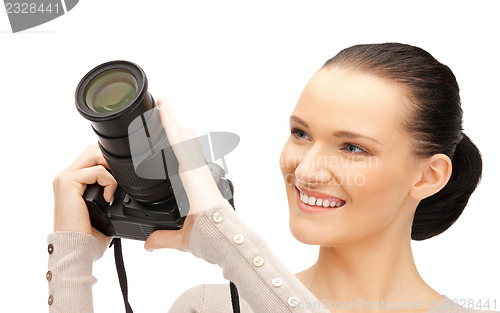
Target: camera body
(132, 219)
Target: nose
(313, 170)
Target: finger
(97, 174)
(172, 116)
(162, 101)
(176, 128)
(172, 239)
(90, 157)
(188, 149)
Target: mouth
(316, 202)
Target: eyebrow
(338, 133)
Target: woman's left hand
(201, 189)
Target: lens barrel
(114, 97)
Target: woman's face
(348, 157)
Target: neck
(380, 268)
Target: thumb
(172, 239)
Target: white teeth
(311, 201)
(319, 202)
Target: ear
(434, 175)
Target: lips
(317, 202)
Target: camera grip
(98, 209)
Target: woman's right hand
(70, 210)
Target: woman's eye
(298, 133)
(354, 149)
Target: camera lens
(114, 97)
(110, 91)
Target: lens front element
(110, 91)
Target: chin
(307, 232)
(318, 231)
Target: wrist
(201, 189)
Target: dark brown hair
(434, 122)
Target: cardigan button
(50, 248)
(48, 275)
(277, 282)
(218, 217)
(51, 300)
(238, 239)
(258, 261)
(293, 302)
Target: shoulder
(450, 306)
(207, 298)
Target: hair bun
(438, 212)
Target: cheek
(368, 179)
(377, 193)
(381, 180)
(289, 160)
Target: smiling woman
(376, 157)
(391, 114)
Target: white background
(228, 66)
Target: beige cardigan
(219, 237)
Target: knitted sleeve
(220, 237)
(69, 275)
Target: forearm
(70, 280)
(220, 237)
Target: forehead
(351, 100)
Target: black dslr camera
(150, 195)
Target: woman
(376, 157)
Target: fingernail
(111, 202)
(150, 250)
